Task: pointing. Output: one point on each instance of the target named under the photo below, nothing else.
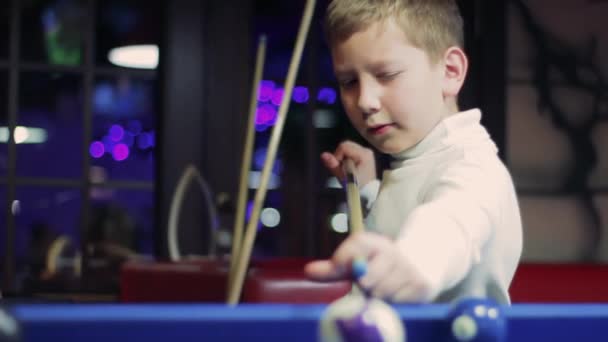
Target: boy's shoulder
(473, 170)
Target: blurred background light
(62, 41)
(324, 118)
(24, 135)
(116, 132)
(333, 183)
(120, 152)
(327, 95)
(300, 94)
(266, 90)
(339, 223)
(134, 127)
(143, 56)
(97, 149)
(277, 96)
(144, 141)
(270, 217)
(266, 115)
(255, 177)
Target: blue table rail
(257, 322)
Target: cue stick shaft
(245, 254)
(246, 161)
(355, 214)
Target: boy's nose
(369, 101)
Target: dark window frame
(88, 70)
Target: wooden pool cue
(241, 207)
(250, 233)
(353, 199)
(355, 212)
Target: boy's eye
(345, 83)
(388, 75)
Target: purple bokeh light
(145, 140)
(128, 140)
(108, 143)
(116, 132)
(120, 152)
(152, 137)
(103, 98)
(97, 149)
(266, 90)
(248, 210)
(261, 127)
(327, 95)
(258, 158)
(277, 169)
(277, 96)
(248, 213)
(266, 115)
(300, 94)
(134, 127)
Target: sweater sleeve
(444, 236)
(368, 193)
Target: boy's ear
(455, 71)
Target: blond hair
(431, 25)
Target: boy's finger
(330, 162)
(352, 247)
(350, 150)
(379, 268)
(325, 270)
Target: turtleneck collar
(459, 128)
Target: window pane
(3, 123)
(124, 218)
(44, 214)
(121, 23)
(53, 31)
(124, 127)
(4, 29)
(50, 116)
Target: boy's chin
(389, 147)
(395, 143)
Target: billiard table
(280, 322)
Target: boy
(444, 221)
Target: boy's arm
(440, 241)
(444, 236)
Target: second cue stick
(244, 256)
(239, 220)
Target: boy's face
(391, 92)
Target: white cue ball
(377, 312)
(464, 328)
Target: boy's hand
(389, 274)
(363, 158)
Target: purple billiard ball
(476, 320)
(360, 317)
(357, 318)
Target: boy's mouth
(379, 129)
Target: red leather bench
(560, 283)
(282, 280)
(278, 280)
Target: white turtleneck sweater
(450, 205)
